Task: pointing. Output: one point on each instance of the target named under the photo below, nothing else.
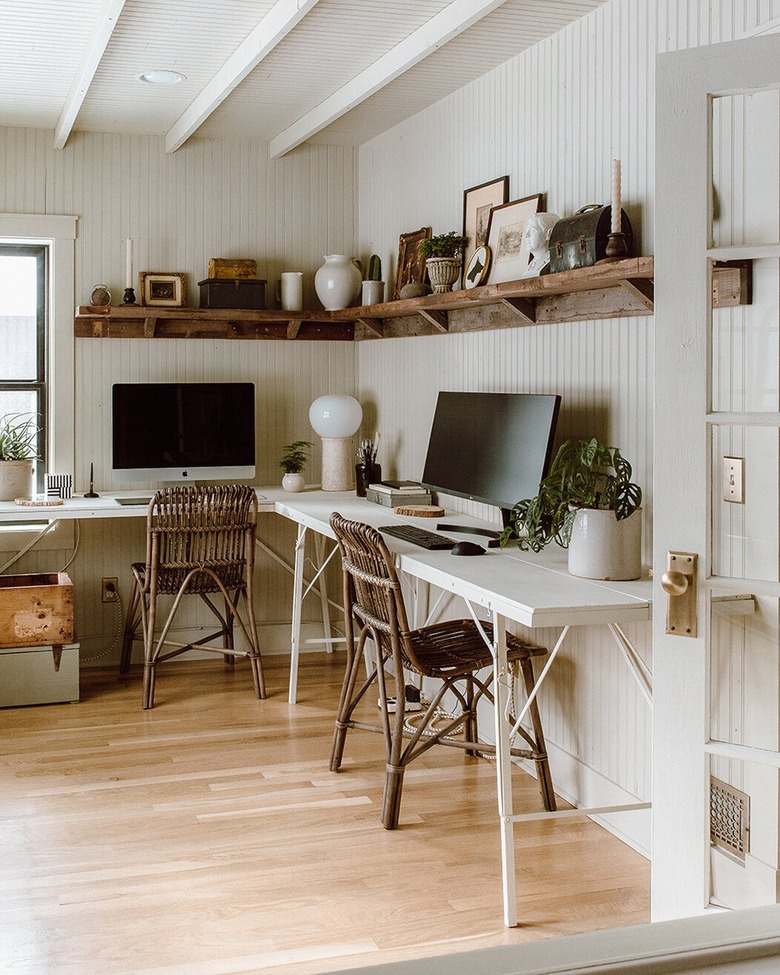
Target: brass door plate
(679, 584)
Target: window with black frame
(23, 340)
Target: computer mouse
(467, 548)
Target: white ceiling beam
(106, 21)
(448, 23)
(272, 29)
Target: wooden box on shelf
(36, 610)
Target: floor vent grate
(729, 819)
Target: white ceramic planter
(373, 293)
(443, 272)
(602, 547)
(16, 479)
(293, 482)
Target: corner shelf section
(617, 289)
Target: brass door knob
(674, 583)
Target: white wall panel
(553, 119)
(210, 199)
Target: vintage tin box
(232, 293)
(581, 240)
(232, 267)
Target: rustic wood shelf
(617, 289)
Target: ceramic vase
(373, 293)
(443, 272)
(293, 482)
(337, 282)
(602, 547)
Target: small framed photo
(477, 268)
(411, 263)
(506, 238)
(163, 289)
(478, 201)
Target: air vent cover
(729, 819)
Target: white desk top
(535, 590)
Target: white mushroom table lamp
(336, 418)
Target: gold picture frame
(411, 263)
(163, 289)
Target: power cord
(117, 634)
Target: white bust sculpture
(538, 230)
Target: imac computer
(493, 448)
(183, 432)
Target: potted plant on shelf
(588, 504)
(443, 259)
(373, 291)
(292, 463)
(18, 441)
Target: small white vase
(443, 272)
(337, 282)
(16, 479)
(293, 482)
(602, 547)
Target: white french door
(716, 713)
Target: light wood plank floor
(207, 837)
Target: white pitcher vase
(337, 282)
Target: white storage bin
(39, 675)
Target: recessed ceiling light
(161, 77)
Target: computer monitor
(183, 432)
(494, 448)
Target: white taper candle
(615, 225)
(129, 265)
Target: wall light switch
(734, 480)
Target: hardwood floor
(207, 837)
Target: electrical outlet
(110, 589)
(734, 480)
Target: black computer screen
(491, 447)
(183, 431)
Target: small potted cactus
(373, 286)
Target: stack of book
(396, 494)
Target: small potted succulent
(588, 504)
(373, 292)
(18, 446)
(444, 257)
(292, 463)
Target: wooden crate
(232, 267)
(36, 610)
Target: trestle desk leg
(502, 688)
(297, 600)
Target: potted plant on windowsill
(588, 504)
(292, 463)
(18, 441)
(443, 259)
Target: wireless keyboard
(418, 536)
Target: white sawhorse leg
(297, 607)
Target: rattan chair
(199, 541)
(453, 651)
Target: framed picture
(164, 289)
(506, 238)
(477, 268)
(478, 201)
(411, 263)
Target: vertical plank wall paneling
(213, 198)
(553, 119)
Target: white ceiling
(285, 71)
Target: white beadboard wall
(553, 119)
(210, 199)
